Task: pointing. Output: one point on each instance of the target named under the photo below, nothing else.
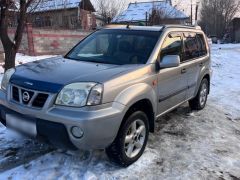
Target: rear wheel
(131, 140)
(200, 100)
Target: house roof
(137, 11)
(48, 5)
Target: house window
(48, 21)
(73, 20)
(39, 22)
(65, 21)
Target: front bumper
(100, 124)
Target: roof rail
(182, 26)
(115, 25)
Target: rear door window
(190, 46)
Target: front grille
(15, 94)
(26, 98)
(40, 100)
(29, 97)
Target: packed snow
(186, 145)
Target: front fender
(135, 93)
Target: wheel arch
(145, 106)
(208, 77)
(139, 97)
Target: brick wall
(47, 41)
(55, 41)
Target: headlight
(80, 94)
(8, 74)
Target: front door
(172, 82)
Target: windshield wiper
(92, 60)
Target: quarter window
(201, 45)
(172, 45)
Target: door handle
(183, 71)
(201, 64)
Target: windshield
(116, 47)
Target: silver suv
(107, 92)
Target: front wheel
(131, 140)
(199, 102)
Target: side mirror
(169, 61)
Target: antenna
(128, 25)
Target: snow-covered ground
(21, 59)
(186, 145)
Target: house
(100, 22)
(12, 14)
(235, 30)
(65, 14)
(152, 13)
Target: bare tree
(108, 9)
(216, 15)
(10, 46)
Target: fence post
(29, 29)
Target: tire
(199, 102)
(120, 150)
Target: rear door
(194, 59)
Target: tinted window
(116, 47)
(201, 45)
(172, 45)
(190, 46)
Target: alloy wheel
(134, 139)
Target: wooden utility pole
(196, 15)
(146, 18)
(191, 13)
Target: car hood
(52, 74)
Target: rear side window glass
(190, 46)
(172, 45)
(201, 45)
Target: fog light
(77, 132)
